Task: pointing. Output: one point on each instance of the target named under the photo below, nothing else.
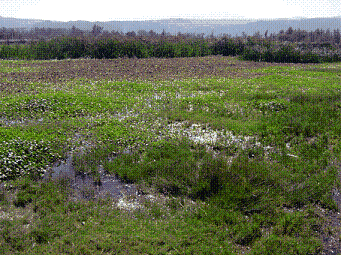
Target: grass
(243, 162)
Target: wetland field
(200, 155)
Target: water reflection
(85, 185)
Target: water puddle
(85, 185)
(8, 122)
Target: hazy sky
(105, 10)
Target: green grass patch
(242, 162)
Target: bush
(228, 47)
(286, 54)
(251, 54)
(164, 49)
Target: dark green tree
(96, 30)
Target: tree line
(66, 47)
(296, 46)
(17, 34)
(290, 35)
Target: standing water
(85, 185)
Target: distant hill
(173, 26)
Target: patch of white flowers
(272, 106)
(204, 135)
(20, 157)
(125, 204)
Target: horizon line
(181, 18)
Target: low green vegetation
(223, 165)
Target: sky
(106, 10)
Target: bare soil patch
(151, 69)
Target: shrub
(228, 47)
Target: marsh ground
(228, 156)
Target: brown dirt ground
(152, 69)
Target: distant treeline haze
(296, 46)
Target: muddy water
(84, 185)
